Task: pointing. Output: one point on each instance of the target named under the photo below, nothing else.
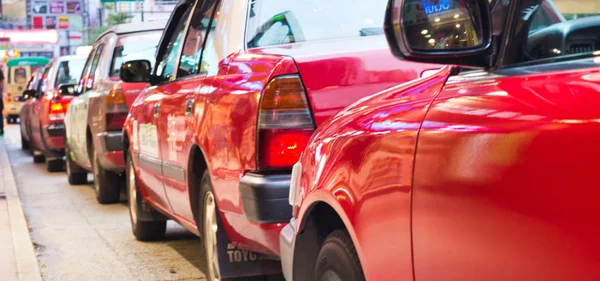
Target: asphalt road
(78, 239)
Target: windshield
(69, 71)
(138, 46)
(274, 22)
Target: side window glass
(210, 57)
(165, 68)
(94, 70)
(86, 71)
(189, 63)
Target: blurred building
(572, 9)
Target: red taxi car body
(94, 121)
(47, 111)
(463, 175)
(238, 119)
(28, 96)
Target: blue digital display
(435, 7)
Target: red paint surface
(223, 125)
(500, 184)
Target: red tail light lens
(285, 123)
(116, 109)
(58, 109)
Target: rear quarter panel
(360, 163)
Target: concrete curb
(26, 261)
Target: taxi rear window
(276, 22)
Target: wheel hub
(132, 195)
(210, 236)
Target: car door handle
(156, 109)
(189, 107)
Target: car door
(87, 84)
(36, 109)
(71, 120)
(507, 189)
(148, 124)
(194, 74)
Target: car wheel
(24, 143)
(143, 230)
(106, 184)
(210, 228)
(55, 165)
(38, 158)
(75, 174)
(338, 259)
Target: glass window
(94, 71)
(210, 59)
(86, 71)
(165, 68)
(137, 46)
(274, 22)
(549, 35)
(189, 63)
(69, 71)
(20, 75)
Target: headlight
(294, 182)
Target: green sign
(33, 61)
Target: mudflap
(235, 262)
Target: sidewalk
(17, 257)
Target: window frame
(179, 9)
(204, 41)
(99, 50)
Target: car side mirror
(439, 31)
(135, 71)
(27, 94)
(67, 90)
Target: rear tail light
(116, 109)
(8, 100)
(285, 123)
(58, 108)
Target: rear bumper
(111, 154)
(54, 138)
(12, 108)
(265, 198)
(287, 243)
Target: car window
(165, 68)
(189, 64)
(94, 71)
(210, 58)
(136, 46)
(86, 71)
(68, 71)
(549, 35)
(20, 75)
(274, 22)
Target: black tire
(55, 165)
(75, 174)
(338, 259)
(106, 184)
(38, 158)
(144, 223)
(205, 190)
(24, 143)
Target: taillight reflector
(116, 109)
(285, 123)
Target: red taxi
(47, 112)
(232, 102)
(482, 171)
